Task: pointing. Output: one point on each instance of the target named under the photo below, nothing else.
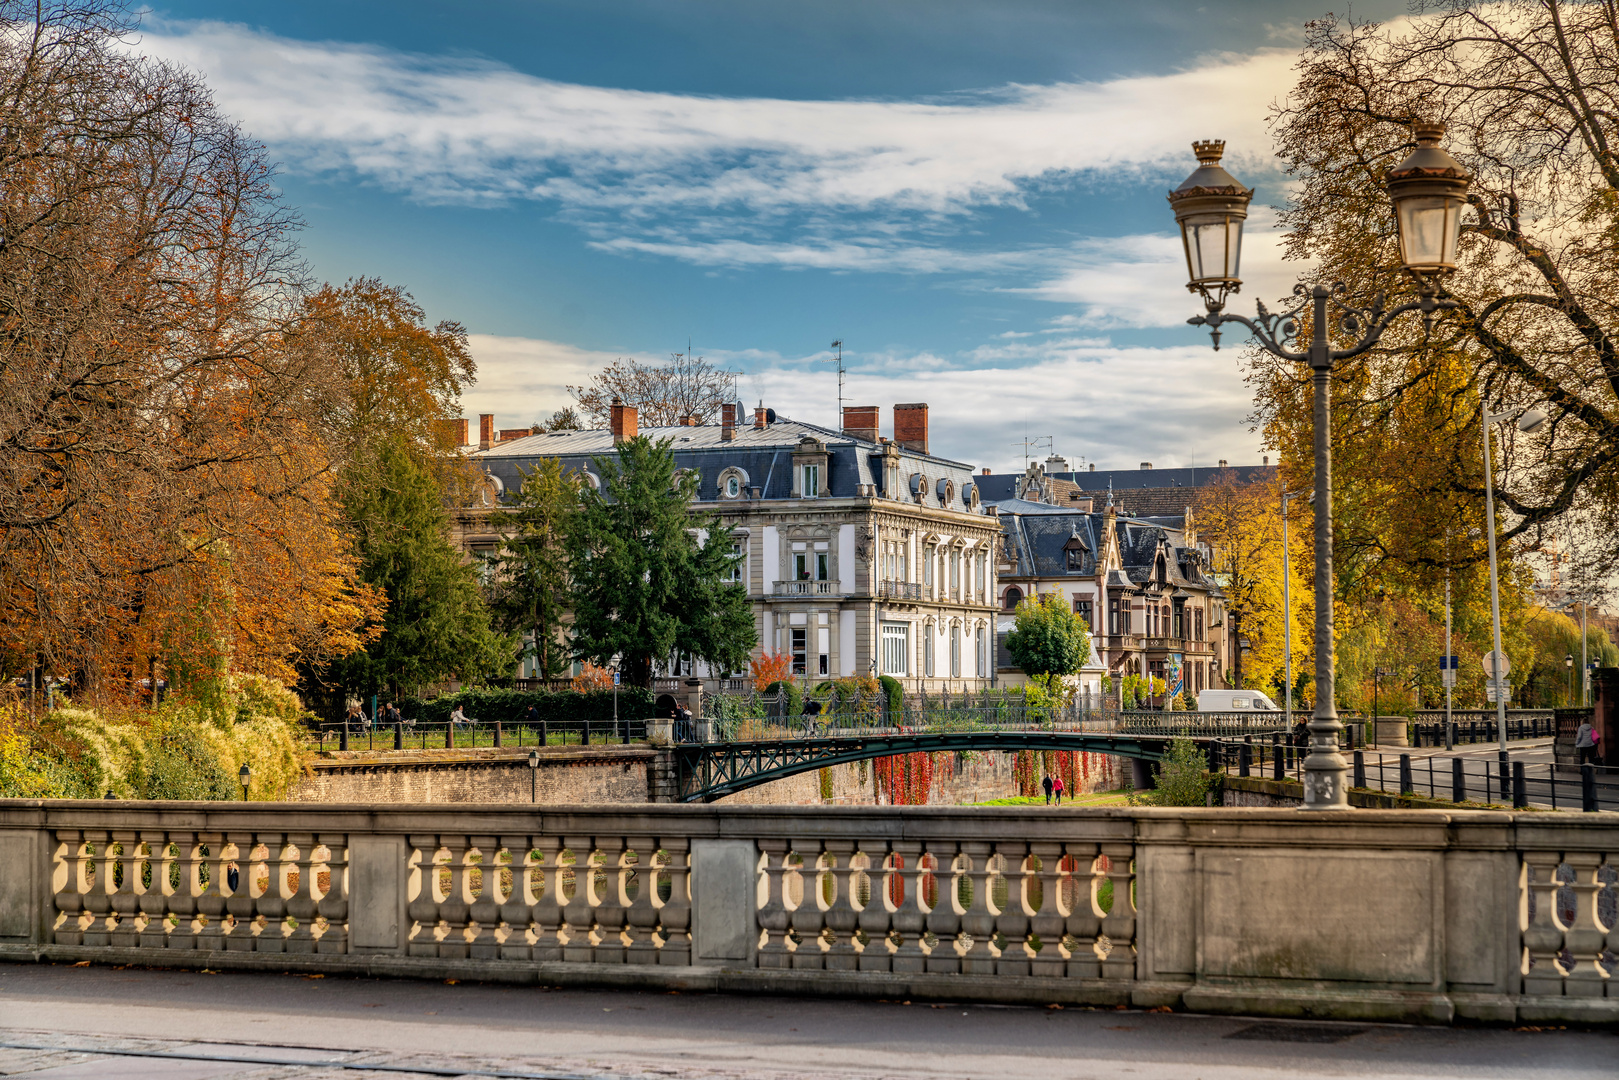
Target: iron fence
(430, 736)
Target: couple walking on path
(1053, 787)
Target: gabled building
(1142, 584)
(861, 554)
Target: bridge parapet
(1494, 916)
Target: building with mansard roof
(862, 554)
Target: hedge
(486, 706)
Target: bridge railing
(1497, 916)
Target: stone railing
(1424, 915)
(807, 588)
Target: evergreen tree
(531, 593)
(650, 578)
(1048, 641)
(437, 626)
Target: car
(1235, 701)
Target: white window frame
(809, 481)
(955, 651)
(896, 650)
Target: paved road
(386, 1029)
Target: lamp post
(1569, 660)
(246, 777)
(1530, 421)
(1287, 615)
(1428, 190)
(533, 776)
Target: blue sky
(970, 195)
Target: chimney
(455, 430)
(759, 418)
(486, 430)
(911, 426)
(1223, 463)
(1093, 466)
(985, 472)
(728, 413)
(1082, 503)
(860, 422)
(514, 433)
(1266, 459)
(688, 420)
(1146, 466)
(623, 421)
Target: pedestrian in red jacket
(1056, 788)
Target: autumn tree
(1048, 641)
(651, 578)
(664, 393)
(1528, 89)
(165, 458)
(530, 592)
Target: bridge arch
(709, 771)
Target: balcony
(900, 590)
(807, 588)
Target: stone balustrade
(1425, 915)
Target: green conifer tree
(650, 577)
(530, 595)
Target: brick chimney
(507, 434)
(911, 426)
(759, 420)
(728, 413)
(860, 422)
(486, 430)
(985, 472)
(455, 429)
(687, 420)
(1222, 463)
(623, 421)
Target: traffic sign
(1447, 676)
(1449, 663)
(615, 678)
(1490, 659)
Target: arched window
(1014, 597)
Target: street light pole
(1428, 190)
(1287, 621)
(1530, 421)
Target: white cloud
(1099, 402)
(855, 185)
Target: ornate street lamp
(246, 778)
(1428, 189)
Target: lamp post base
(1326, 773)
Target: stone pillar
(1390, 731)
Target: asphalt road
(184, 1025)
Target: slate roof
(763, 454)
(1128, 479)
(1039, 538)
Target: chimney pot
(1146, 466)
(1266, 459)
(985, 472)
(911, 426)
(623, 421)
(1223, 463)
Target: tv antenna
(838, 360)
(1035, 442)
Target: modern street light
(1428, 190)
(1528, 422)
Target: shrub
(896, 695)
(1182, 780)
(488, 705)
(794, 705)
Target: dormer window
(733, 487)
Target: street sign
(1489, 660)
(1449, 663)
(1448, 676)
(615, 678)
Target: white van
(1235, 701)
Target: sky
(969, 195)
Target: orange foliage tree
(768, 668)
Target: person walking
(1057, 788)
(355, 720)
(1585, 743)
(1046, 783)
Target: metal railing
(498, 734)
(899, 590)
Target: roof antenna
(838, 360)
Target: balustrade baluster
(154, 895)
(809, 917)
(548, 899)
(483, 942)
(125, 890)
(1542, 934)
(978, 921)
(71, 881)
(272, 902)
(674, 914)
(240, 903)
(774, 916)
(1050, 921)
(1119, 924)
(610, 899)
(581, 920)
(910, 916)
(99, 918)
(200, 907)
(516, 912)
(334, 902)
(841, 916)
(1584, 937)
(944, 916)
(1084, 912)
(641, 910)
(876, 913)
(1012, 920)
(302, 903)
(455, 909)
(425, 896)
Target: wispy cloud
(857, 185)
